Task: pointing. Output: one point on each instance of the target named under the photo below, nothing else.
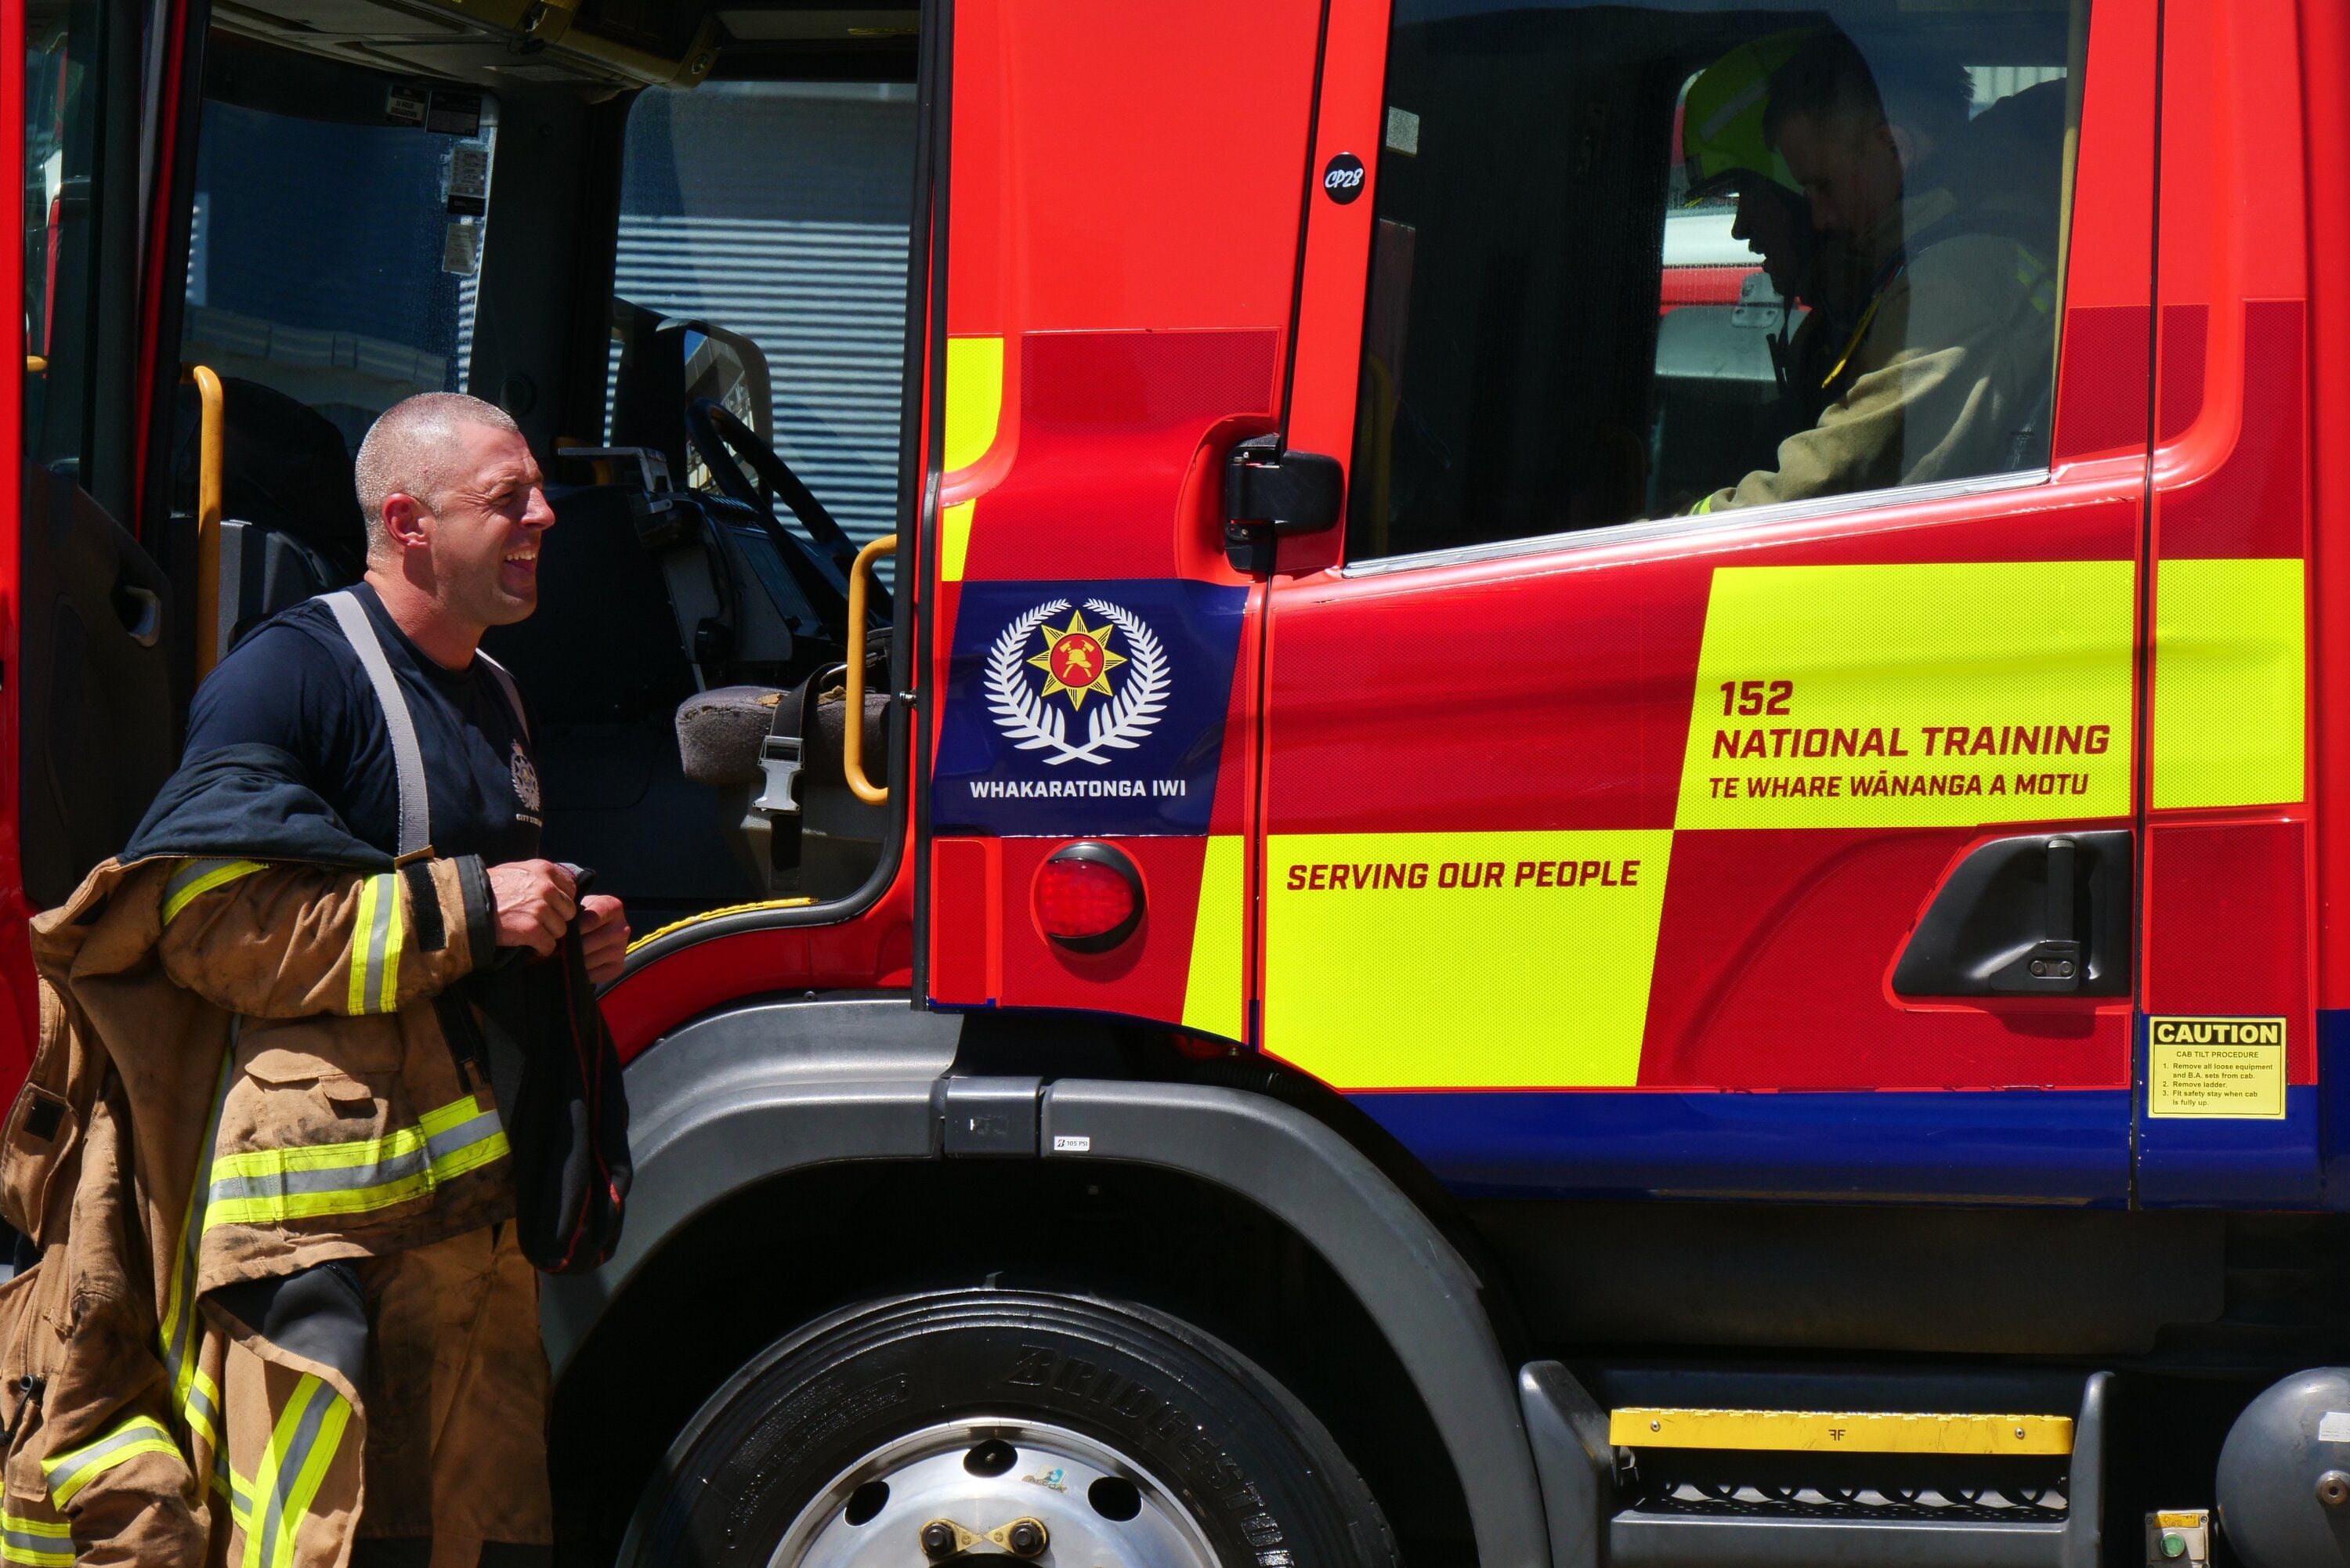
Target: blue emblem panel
(1086, 708)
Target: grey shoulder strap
(408, 757)
(506, 684)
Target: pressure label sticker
(2215, 1067)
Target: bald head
(410, 448)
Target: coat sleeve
(1924, 405)
(295, 941)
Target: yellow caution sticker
(2215, 1067)
(1463, 960)
(1935, 694)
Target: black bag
(532, 1025)
(568, 1121)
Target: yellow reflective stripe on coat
(194, 879)
(375, 937)
(308, 1180)
(194, 1395)
(302, 1445)
(40, 1543)
(75, 1468)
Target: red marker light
(1088, 897)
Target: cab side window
(803, 257)
(334, 262)
(1640, 262)
(78, 234)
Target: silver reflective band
(178, 1331)
(310, 1428)
(70, 1471)
(375, 947)
(408, 757)
(36, 1542)
(312, 1180)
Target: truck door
(1117, 307)
(2230, 1063)
(1649, 806)
(86, 673)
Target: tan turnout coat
(241, 1074)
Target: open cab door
(86, 677)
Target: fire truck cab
(1351, 847)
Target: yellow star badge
(1076, 659)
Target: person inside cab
(1723, 152)
(1944, 370)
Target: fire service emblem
(1089, 690)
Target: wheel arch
(835, 1107)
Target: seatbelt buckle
(779, 759)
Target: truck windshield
(804, 256)
(335, 262)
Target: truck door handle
(141, 609)
(2054, 961)
(2034, 915)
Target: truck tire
(910, 1429)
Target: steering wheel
(721, 440)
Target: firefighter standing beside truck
(1944, 368)
(332, 1331)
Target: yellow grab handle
(852, 764)
(210, 439)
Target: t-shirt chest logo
(525, 784)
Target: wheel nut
(1025, 1537)
(937, 1540)
(2333, 1488)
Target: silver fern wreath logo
(1117, 658)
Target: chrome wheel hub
(995, 1492)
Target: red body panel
(1700, 286)
(2325, 136)
(1773, 947)
(1130, 233)
(19, 1018)
(874, 951)
(2228, 894)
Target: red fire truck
(1286, 921)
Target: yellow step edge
(654, 936)
(1840, 1431)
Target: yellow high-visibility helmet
(1722, 119)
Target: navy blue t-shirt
(296, 683)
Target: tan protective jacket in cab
(1948, 373)
(241, 1074)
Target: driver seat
(775, 758)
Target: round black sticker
(1342, 178)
